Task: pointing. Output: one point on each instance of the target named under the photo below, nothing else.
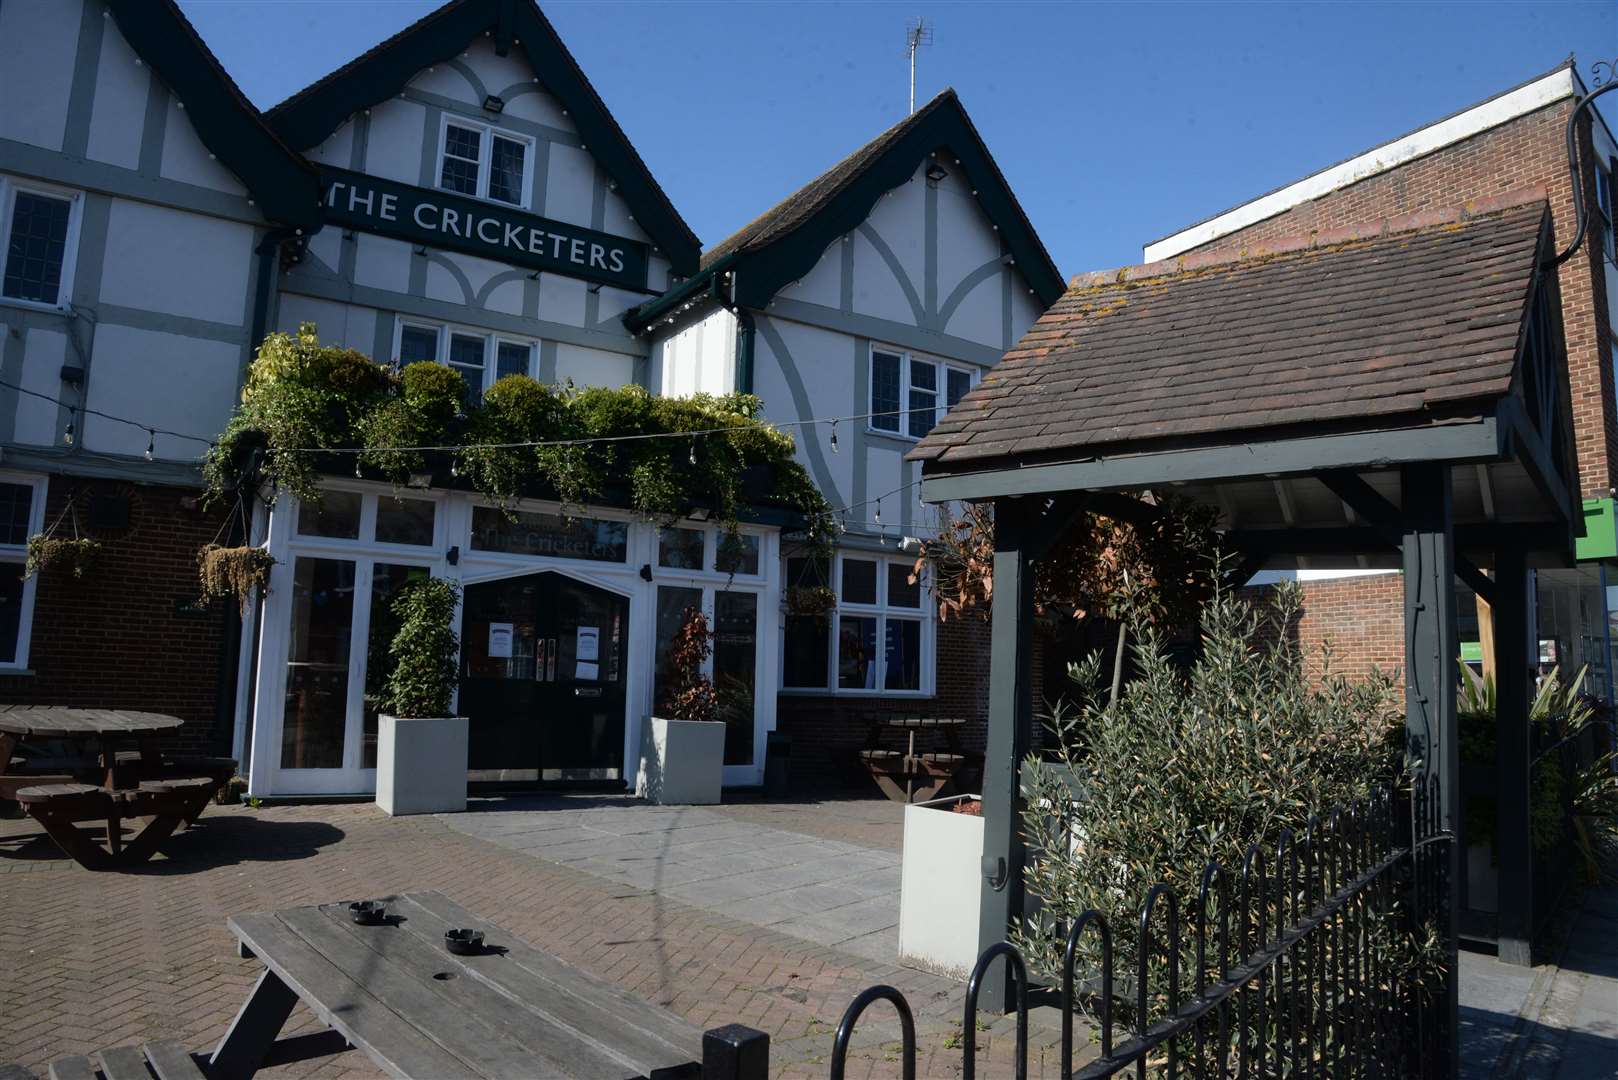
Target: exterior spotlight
(494, 103)
(936, 173)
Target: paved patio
(95, 960)
(829, 891)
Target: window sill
(856, 695)
(892, 436)
(34, 305)
(10, 670)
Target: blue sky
(1115, 123)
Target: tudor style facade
(877, 295)
(460, 194)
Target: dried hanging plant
(52, 553)
(233, 571)
(810, 599)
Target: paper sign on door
(588, 645)
(587, 671)
(500, 641)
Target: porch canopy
(1390, 395)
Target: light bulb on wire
(693, 451)
(67, 435)
(834, 437)
(151, 444)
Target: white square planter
(421, 765)
(682, 762)
(940, 888)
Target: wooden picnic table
(129, 783)
(906, 775)
(395, 992)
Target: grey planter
(421, 765)
(940, 888)
(682, 762)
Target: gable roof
(1407, 322)
(285, 187)
(306, 118)
(781, 245)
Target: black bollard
(735, 1052)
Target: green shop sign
(1600, 541)
(442, 219)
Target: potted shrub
(941, 885)
(421, 746)
(682, 751)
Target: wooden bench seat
(178, 796)
(66, 801)
(163, 1060)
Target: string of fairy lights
(70, 434)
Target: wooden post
(1512, 752)
(1431, 653)
(1010, 732)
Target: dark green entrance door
(543, 665)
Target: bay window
(910, 393)
(875, 639)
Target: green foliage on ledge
(302, 399)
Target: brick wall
(1525, 152)
(1360, 619)
(115, 639)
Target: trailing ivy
(303, 398)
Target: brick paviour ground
(96, 960)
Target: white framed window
(39, 238)
(877, 639)
(22, 514)
(484, 162)
(479, 355)
(1605, 224)
(909, 393)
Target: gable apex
(308, 117)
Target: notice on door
(587, 671)
(500, 641)
(588, 645)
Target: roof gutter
(640, 319)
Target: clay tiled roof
(1404, 322)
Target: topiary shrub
(424, 651)
(690, 693)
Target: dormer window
(484, 162)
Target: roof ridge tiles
(1381, 228)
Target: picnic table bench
(62, 791)
(908, 775)
(395, 992)
(164, 1060)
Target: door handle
(550, 664)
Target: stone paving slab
(828, 890)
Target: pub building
(460, 194)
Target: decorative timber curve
(309, 116)
(1312, 998)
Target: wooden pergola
(1390, 396)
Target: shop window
(479, 356)
(673, 601)
(681, 549)
(37, 226)
(549, 535)
(387, 581)
(21, 515)
(906, 391)
(737, 553)
(484, 162)
(404, 521)
(874, 642)
(335, 516)
(735, 670)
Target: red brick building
(1513, 140)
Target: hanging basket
(810, 600)
(50, 553)
(233, 571)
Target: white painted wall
(37, 45)
(700, 358)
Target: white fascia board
(1519, 102)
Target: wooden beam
(1431, 733)
(1383, 515)
(1010, 734)
(1513, 752)
(1468, 442)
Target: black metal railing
(1334, 965)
